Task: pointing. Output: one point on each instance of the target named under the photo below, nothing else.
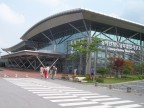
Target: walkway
(20, 73)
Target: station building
(47, 42)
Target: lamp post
(0, 55)
(0, 59)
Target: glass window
(101, 54)
(100, 62)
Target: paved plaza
(62, 94)
(15, 73)
(137, 87)
(26, 89)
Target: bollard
(110, 86)
(96, 83)
(26, 75)
(128, 89)
(16, 75)
(5, 75)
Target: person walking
(41, 71)
(75, 72)
(48, 69)
(45, 73)
(53, 72)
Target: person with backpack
(41, 72)
(53, 72)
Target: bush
(133, 77)
(102, 71)
(124, 76)
(88, 77)
(100, 80)
(64, 76)
(140, 77)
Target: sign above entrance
(121, 45)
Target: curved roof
(78, 14)
(21, 45)
(49, 54)
(73, 16)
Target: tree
(139, 68)
(128, 67)
(102, 71)
(116, 64)
(120, 65)
(85, 47)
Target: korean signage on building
(123, 47)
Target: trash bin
(128, 89)
(110, 86)
(96, 83)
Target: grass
(118, 80)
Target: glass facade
(127, 48)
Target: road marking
(45, 92)
(105, 99)
(38, 88)
(68, 96)
(97, 96)
(98, 106)
(78, 92)
(54, 94)
(129, 106)
(77, 103)
(117, 102)
(58, 97)
(67, 100)
(70, 90)
(85, 94)
(63, 87)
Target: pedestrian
(48, 69)
(53, 72)
(45, 73)
(75, 72)
(41, 71)
(92, 73)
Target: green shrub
(140, 77)
(133, 77)
(88, 77)
(100, 80)
(124, 76)
(64, 76)
(102, 71)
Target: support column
(88, 63)
(88, 58)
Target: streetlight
(0, 55)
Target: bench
(79, 79)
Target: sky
(17, 16)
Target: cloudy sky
(17, 16)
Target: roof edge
(53, 16)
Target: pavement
(23, 92)
(135, 87)
(31, 81)
(15, 73)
